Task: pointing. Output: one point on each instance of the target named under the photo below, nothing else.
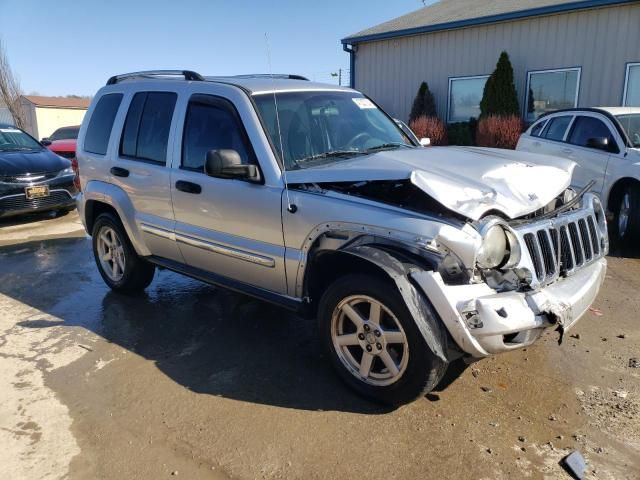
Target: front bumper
(484, 322)
(62, 194)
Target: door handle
(119, 172)
(188, 187)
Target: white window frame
(626, 81)
(451, 80)
(553, 70)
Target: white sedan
(605, 144)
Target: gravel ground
(188, 380)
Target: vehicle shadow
(209, 340)
(31, 218)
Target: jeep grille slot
(558, 246)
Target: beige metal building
(564, 54)
(46, 114)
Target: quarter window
(146, 130)
(632, 86)
(556, 128)
(464, 97)
(536, 130)
(96, 139)
(212, 123)
(551, 90)
(585, 128)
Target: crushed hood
(470, 181)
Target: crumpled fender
(418, 306)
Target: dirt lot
(192, 381)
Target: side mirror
(228, 164)
(46, 142)
(425, 142)
(600, 143)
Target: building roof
(58, 102)
(449, 14)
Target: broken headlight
(499, 248)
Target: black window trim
(148, 161)
(544, 122)
(113, 123)
(219, 101)
(573, 126)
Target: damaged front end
(531, 273)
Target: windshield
(631, 125)
(66, 133)
(15, 139)
(324, 127)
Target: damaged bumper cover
(484, 322)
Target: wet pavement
(191, 380)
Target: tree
(424, 105)
(500, 97)
(10, 92)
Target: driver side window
(212, 123)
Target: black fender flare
(421, 310)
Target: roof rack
(286, 76)
(187, 74)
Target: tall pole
(340, 77)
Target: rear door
(231, 228)
(140, 167)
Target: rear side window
(557, 127)
(537, 128)
(585, 128)
(212, 124)
(96, 139)
(146, 130)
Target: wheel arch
(386, 259)
(100, 197)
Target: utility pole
(339, 75)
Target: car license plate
(36, 192)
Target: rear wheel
(119, 265)
(627, 216)
(374, 343)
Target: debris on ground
(634, 363)
(486, 389)
(574, 464)
(622, 335)
(522, 439)
(575, 335)
(596, 311)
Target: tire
(131, 272)
(627, 216)
(418, 369)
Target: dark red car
(64, 144)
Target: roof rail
(187, 74)
(286, 76)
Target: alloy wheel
(369, 340)
(111, 253)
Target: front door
(231, 228)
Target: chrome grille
(559, 246)
(20, 202)
(28, 177)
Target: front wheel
(118, 263)
(627, 216)
(374, 343)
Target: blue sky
(72, 47)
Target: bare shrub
(499, 131)
(430, 127)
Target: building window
(465, 94)
(632, 86)
(550, 90)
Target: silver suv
(311, 197)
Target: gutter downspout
(352, 63)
